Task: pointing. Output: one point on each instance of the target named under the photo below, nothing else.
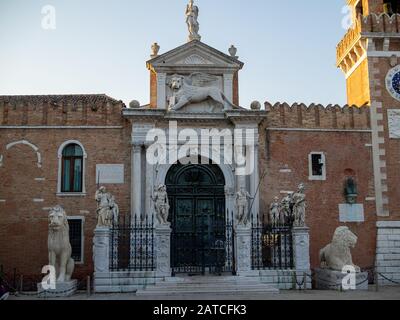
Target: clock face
(393, 82)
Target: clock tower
(369, 56)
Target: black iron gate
(202, 235)
(209, 249)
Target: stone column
(301, 248)
(161, 91)
(136, 177)
(254, 181)
(243, 251)
(240, 178)
(163, 251)
(149, 187)
(228, 86)
(101, 250)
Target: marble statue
(285, 210)
(161, 204)
(107, 209)
(114, 209)
(337, 254)
(242, 205)
(192, 15)
(275, 212)
(299, 207)
(59, 245)
(195, 89)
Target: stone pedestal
(326, 279)
(62, 290)
(163, 251)
(101, 250)
(243, 251)
(301, 248)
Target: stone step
(207, 288)
(208, 285)
(238, 290)
(190, 281)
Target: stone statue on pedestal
(59, 245)
(285, 209)
(337, 255)
(275, 212)
(107, 209)
(242, 205)
(161, 204)
(299, 207)
(192, 14)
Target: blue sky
(101, 46)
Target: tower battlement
(383, 24)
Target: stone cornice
(235, 116)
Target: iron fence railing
(132, 244)
(272, 246)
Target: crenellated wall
(317, 116)
(60, 110)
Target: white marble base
(326, 279)
(163, 250)
(101, 249)
(62, 290)
(301, 248)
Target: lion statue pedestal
(336, 261)
(59, 246)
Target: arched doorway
(198, 218)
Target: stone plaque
(351, 212)
(110, 174)
(394, 123)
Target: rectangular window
(76, 238)
(72, 174)
(317, 166)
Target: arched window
(72, 169)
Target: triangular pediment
(193, 54)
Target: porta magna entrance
(202, 238)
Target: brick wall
(284, 154)
(27, 190)
(342, 133)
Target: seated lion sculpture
(337, 255)
(59, 246)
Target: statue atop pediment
(192, 14)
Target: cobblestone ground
(387, 293)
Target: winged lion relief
(196, 88)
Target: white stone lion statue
(337, 255)
(59, 246)
(195, 89)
